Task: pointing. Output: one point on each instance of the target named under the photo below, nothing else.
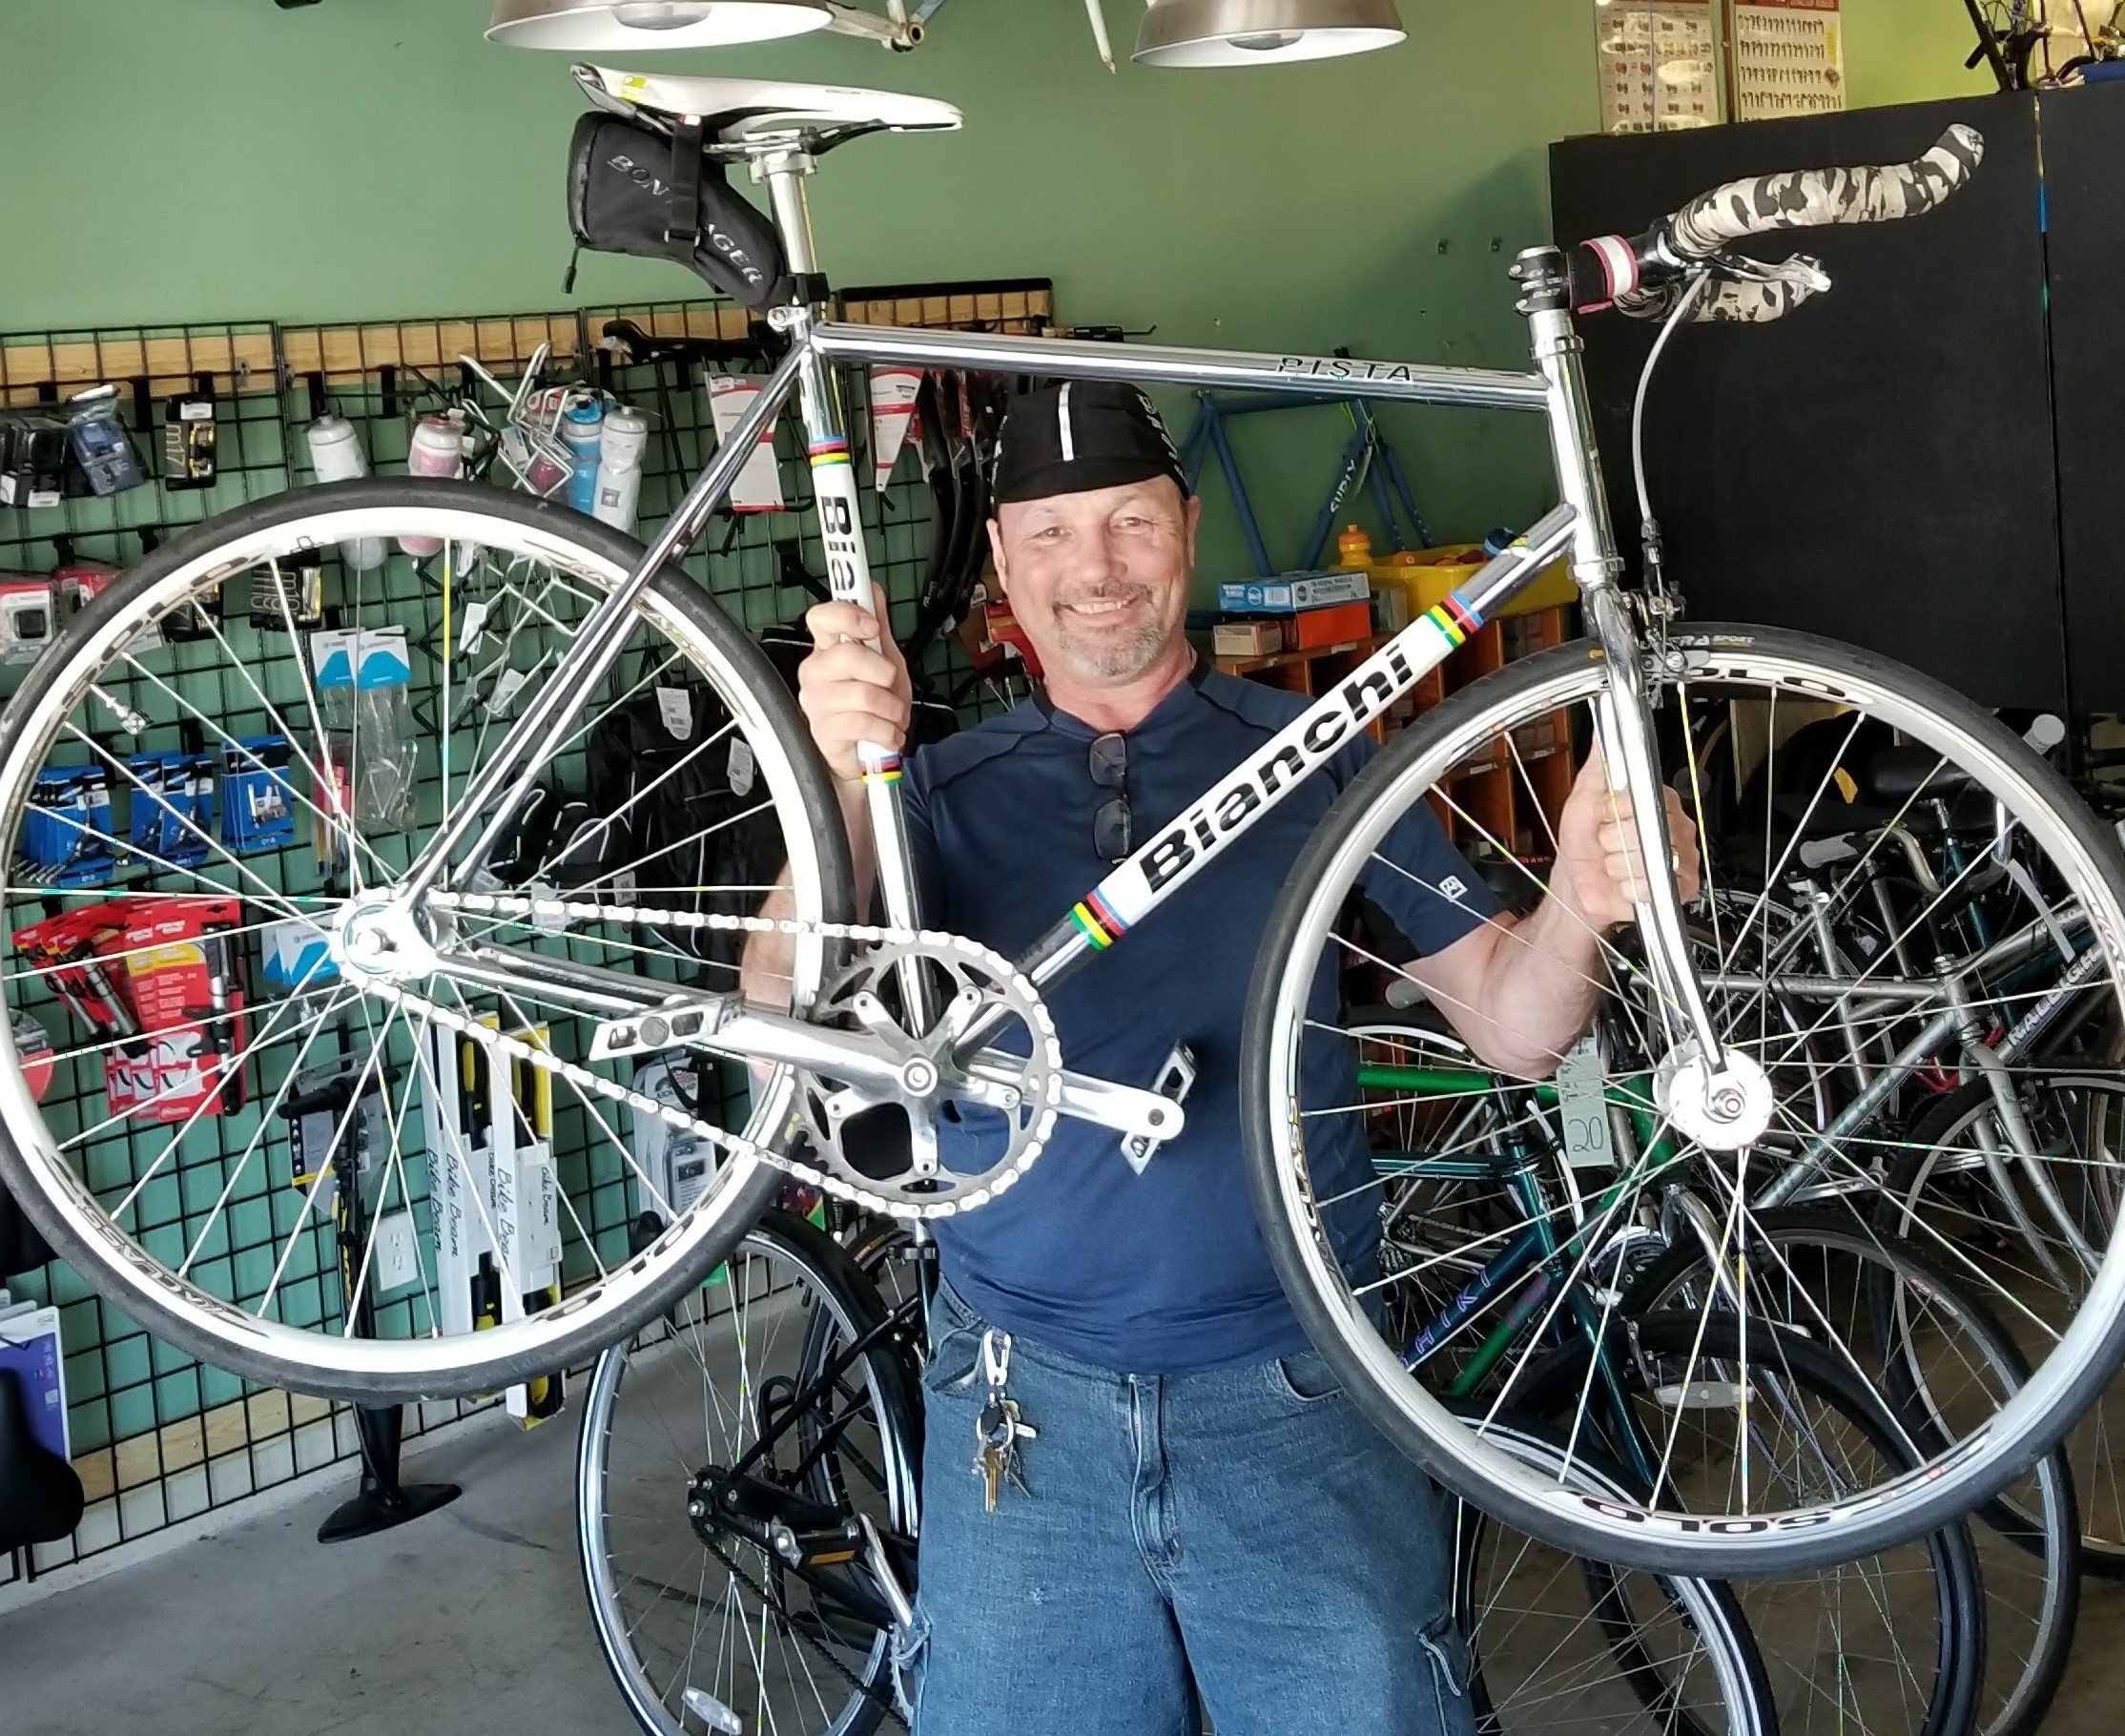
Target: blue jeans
(1239, 1543)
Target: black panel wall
(1878, 465)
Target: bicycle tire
(328, 1361)
(1956, 1583)
(841, 1296)
(2060, 1389)
(2024, 1703)
(1708, 1606)
(1912, 1170)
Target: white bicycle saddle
(739, 110)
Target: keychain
(999, 1427)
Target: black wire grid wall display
(158, 1437)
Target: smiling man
(1206, 1524)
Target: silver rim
(719, 1340)
(320, 1354)
(1956, 1479)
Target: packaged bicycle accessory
(101, 448)
(258, 804)
(436, 449)
(66, 835)
(758, 488)
(362, 676)
(631, 190)
(26, 623)
(155, 979)
(188, 441)
(33, 461)
(317, 1109)
(173, 807)
(620, 450)
(68, 951)
(33, 1047)
(337, 456)
(180, 977)
(893, 393)
(677, 1163)
(495, 1191)
(295, 958)
(582, 433)
(289, 593)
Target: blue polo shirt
(1163, 1272)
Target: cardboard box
(1312, 628)
(1295, 590)
(1246, 638)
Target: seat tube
(1628, 752)
(838, 503)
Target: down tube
(1230, 807)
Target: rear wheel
(720, 1454)
(187, 1156)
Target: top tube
(1166, 364)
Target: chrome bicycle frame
(1556, 389)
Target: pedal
(672, 1026)
(1176, 1079)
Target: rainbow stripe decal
(1097, 923)
(887, 771)
(826, 452)
(1454, 618)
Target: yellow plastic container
(1425, 576)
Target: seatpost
(848, 562)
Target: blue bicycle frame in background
(1368, 449)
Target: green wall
(374, 157)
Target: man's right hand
(849, 689)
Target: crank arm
(1127, 1109)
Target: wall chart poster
(1657, 65)
(1788, 58)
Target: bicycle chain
(534, 910)
(868, 1690)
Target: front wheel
(1957, 785)
(338, 1181)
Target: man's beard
(1113, 659)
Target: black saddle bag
(632, 190)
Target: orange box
(1338, 624)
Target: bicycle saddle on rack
(744, 111)
(40, 1495)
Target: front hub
(1723, 1105)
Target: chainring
(887, 1147)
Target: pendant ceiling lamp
(1262, 33)
(596, 26)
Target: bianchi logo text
(1203, 829)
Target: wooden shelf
(1254, 665)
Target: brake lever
(1795, 268)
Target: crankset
(872, 1087)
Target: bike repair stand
(382, 1500)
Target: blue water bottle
(582, 433)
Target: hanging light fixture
(595, 26)
(1262, 33)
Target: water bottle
(627, 435)
(336, 455)
(437, 450)
(582, 433)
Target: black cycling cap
(1078, 435)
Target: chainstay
(534, 910)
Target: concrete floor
(470, 1619)
(474, 1618)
